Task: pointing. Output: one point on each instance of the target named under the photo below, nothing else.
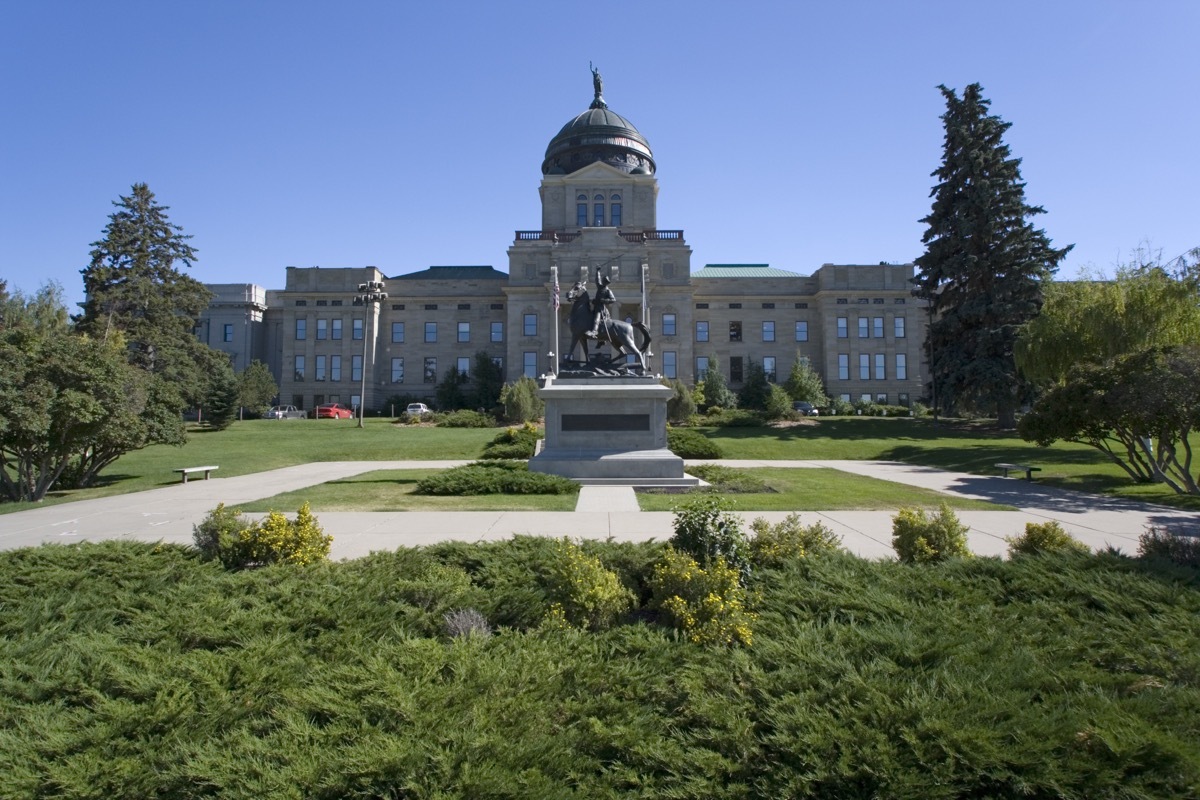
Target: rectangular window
(668, 324)
(802, 330)
(898, 327)
(735, 331)
(529, 364)
(464, 306)
(335, 329)
(880, 367)
(354, 401)
(901, 367)
(881, 398)
(769, 368)
(614, 213)
(397, 333)
(598, 214)
(530, 325)
(701, 331)
(843, 330)
(430, 332)
(497, 331)
(464, 331)
(735, 369)
(864, 328)
(581, 214)
(320, 368)
(335, 368)
(301, 329)
(397, 370)
(322, 329)
(701, 367)
(768, 331)
(845, 398)
(877, 327)
(843, 367)
(864, 367)
(669, 361)
(227, 333)
(299, 368)
(902, 398)
(356, 368)
(430, 372)
(357, 329)
(463, 365)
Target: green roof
(744, 271)
(453, 274)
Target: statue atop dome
(598, 86)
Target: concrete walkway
(168, 513)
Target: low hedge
(494, 477)
(692, 444)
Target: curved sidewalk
(168, 513)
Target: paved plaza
(168, 514)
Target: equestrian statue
(590, 319)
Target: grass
(824, 490)
(392, 490)
(129, 670)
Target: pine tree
(256, 388)
(985, 265)
(804, 383)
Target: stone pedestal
(609, 430)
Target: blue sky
(404, 134)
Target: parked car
(416, 408)
(285, 412)
(333, 411)
(806, 408)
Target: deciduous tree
(804, 383)
(256, 388)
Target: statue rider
(604, 297)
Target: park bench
(1028, 470)
(185, 471)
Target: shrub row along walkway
(168, 514)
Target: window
(335, 329)
(845, 398)
(768, 305)
(430, 331)
(669, 361)
(881, 398)
(299, 368)
(668, 324)
(898, 327)
(496, 306)
(598, 211)
(581, 210)
(529, 364)
(735, 331)
(322, 329)
(301, 329)
(318, 399)
(354, 401)
(769, 368)
(735, 369)
(701, 305)
(356, 332)
(530, 325)
(901, 367)
(430, 372)
(356, 364)
(464, 331)
(464, 306)
(397, 306)
(864, 328)
(320, 368)
(864, 367)
(431, 306)
(865, 397)
(768, 331)
(227, 333)
(844, 367)
(802, 330)
(397, 332)
(463, 366)
(843, 330)
(701, 331)
(880, 367)
(497, 331)
(877, 327)
(397, 370)
(614, 212)
(902, 398)
(335, 368)
(701, 367)
(333, 303)
(301, 303)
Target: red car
(333, 411)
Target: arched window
(614, 210)
(598, 210)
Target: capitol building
(858, 325)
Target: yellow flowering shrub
(582, 592)
(775, 545)
(707, 605)
(920, 538)
(225, 534)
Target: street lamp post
(372, 294)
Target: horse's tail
(641, 328)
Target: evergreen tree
(757, 389)
(716, 389)
(804, 383)
(256, 388)
(450, 393)
(984, 265)
(489, 380)
(221, 407)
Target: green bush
(1182, 549)
(840, 407)
(730, 480)
(494, 477)
(1044, 537)
(918, 538)
(775, 545)
(465, 419)
(706, 530)
(521, 400)
(681, 406)
(705, 604)
(513, 443)
(582, 592)
(732, 418)
(779, 403)
(687, 443)
(227, 536)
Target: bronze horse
(614, 331)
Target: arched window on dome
(598, 211)
(581, 210)
(614, 211)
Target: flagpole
(554, 303)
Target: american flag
(554, 297)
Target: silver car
(285, 412)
